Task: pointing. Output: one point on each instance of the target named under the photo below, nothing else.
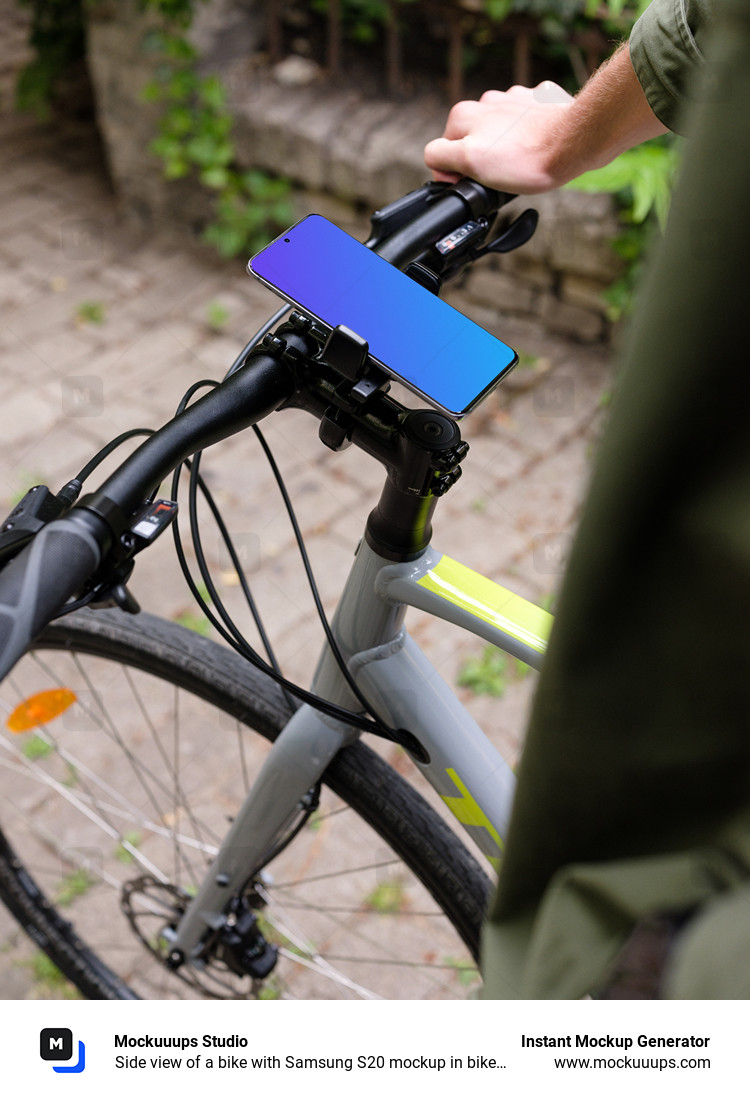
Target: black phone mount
(348, 353)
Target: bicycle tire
(60, 903)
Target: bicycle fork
(470, 776)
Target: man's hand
(529, 140)
(506, 139)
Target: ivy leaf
(166, 147)
(216, 177)
(205, 151)
(181, 85)
(643, 176)
(213, 93)
(176, 168)
(178, 48)
(152, 92)
(228, 242)
(498, 9)
(178, 122)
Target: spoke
(80, 805)
(138, 768)
(359, 910)
(122, 809)
(321, 966)
(141, 771)
(395, 862)
(163, 770)
(409, 964)
(114, 811)
(51, 841)
(166, 759)
(382, 955)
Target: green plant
(361, 20)
(74, 885)
(641, 177)
(465, 970)
(217, 314)
(36, 747)
(129, 841)
(50, 981)
(58, 37)
(614, 9)
(90, 313)
(548, 601)
(191, 620)
(269, 991)
(641, 180)
(25, 479)
(249, 210)
(622, 13)
(179, 12)
(387, 897)
(570, 37)
(195, 139)
(491, 672)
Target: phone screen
(419, 339)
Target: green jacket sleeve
(666, 45)
(633, 798)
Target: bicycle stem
(401, 233)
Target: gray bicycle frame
(461, 764)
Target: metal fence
(454, 27)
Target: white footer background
(442, 1049)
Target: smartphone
(412, 334)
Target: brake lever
(456, 256)
(520, 230)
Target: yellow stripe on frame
(467, 811)
(490, 602)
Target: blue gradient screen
(417, 337)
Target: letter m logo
(56, 1044)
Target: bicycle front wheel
(113, 810)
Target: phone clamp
(348, 354)
(425, 276)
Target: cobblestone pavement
(103, 329)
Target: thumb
(445, 156)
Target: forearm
(609, 115)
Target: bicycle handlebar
(65, 555)
(43, 577)
(448, 207)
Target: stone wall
(346, 151)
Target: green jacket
(666, 47)
(629, 841)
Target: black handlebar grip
(42, 578)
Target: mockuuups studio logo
(56, 1045)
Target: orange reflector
(40, 708)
